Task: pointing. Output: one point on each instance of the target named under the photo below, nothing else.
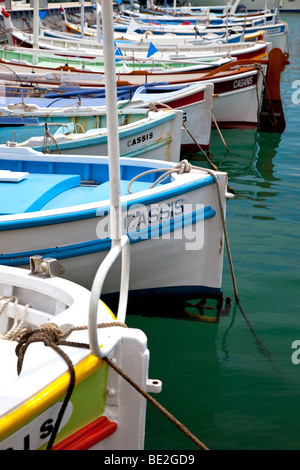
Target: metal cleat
(45, 267)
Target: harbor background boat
(215, 380)
(282, 5)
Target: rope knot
(152, 107)
(48, 333)
(183, 167)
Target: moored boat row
(70, 211)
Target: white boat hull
(94, 418)
(240, 107)
(253, 5)
(195, 101)
(236, 99)
(155, 135)
(166, 257)
(228, 90)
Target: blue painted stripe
(92, 213)
(101, 245)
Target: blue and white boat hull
(147, 134)
(175, 228)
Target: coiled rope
(17, 325)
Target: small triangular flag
(118, 53)
(133, 25)
(152, 49)
(125, 69)
(42, 14)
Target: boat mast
(35, 36)
(99, 20)
(112, 119)
(82, 17)
(119, 244)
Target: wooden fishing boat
(275, 31)
(237, 86)
(186, 25)
(228, 10)
(61, 70)
(48, 403)
(230, 86)
(194, 100)
(139, 47)
(159, 48)
(69, 400)
(149, 134)
(87, 58)
(58, 204)
(131, 46)
(237, 90)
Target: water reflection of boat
(252, 154)
(249, 162)
(268, 144)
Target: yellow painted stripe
(48, 396)
(261, 56)
(254, 35)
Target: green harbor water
(216, 380)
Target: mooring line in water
(185, 166)
(220, 133)
(158, 406)
(200, 148)
(262, 348)
(152, 107)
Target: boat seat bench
(90, 194)
(102, 192)
(49, 191)
(33, 192)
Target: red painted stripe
(88, 436)
(190, 99)
(249, 54)
(236, 83)
(18, 42)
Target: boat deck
(51, 191)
